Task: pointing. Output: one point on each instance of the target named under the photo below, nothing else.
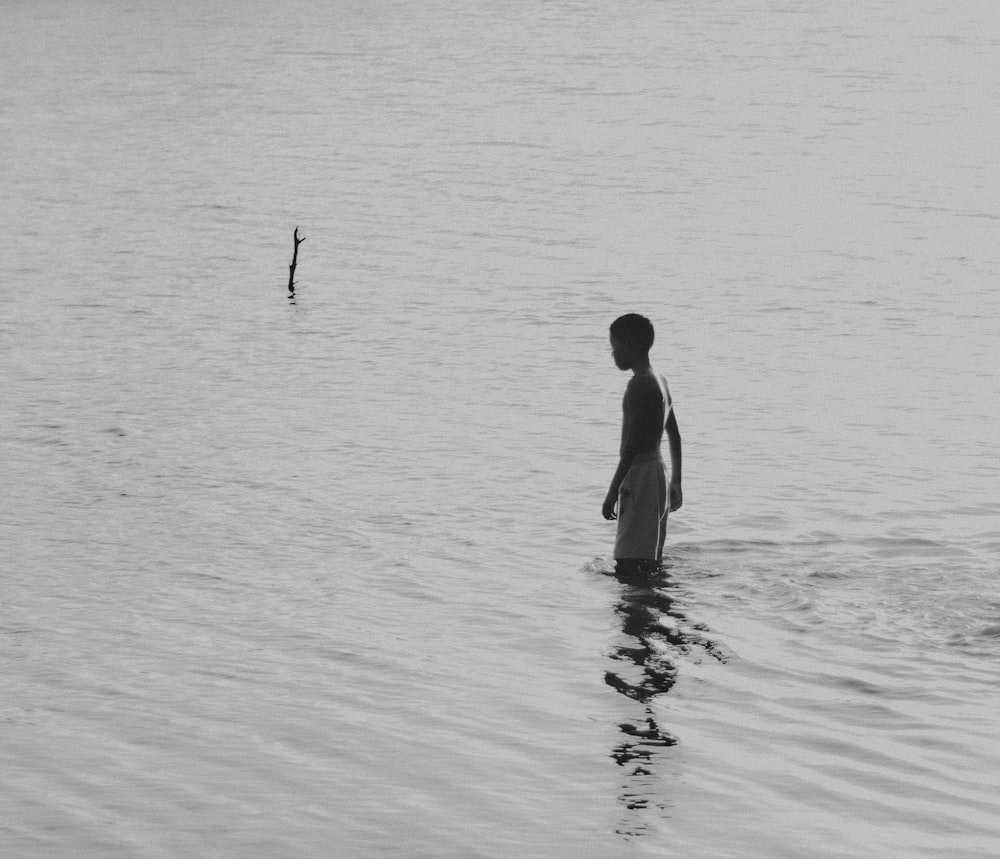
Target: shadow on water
(656, 632)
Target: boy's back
(644, 411)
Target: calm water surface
(325, 574)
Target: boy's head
(631, 338)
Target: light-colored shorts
(642, 509)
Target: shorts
(642, 510)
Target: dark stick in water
(295, 256)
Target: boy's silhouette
(640, 495)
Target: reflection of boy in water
(639, 490)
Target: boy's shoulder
(651, 384)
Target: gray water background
(327, 575)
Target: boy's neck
(640, 365)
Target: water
(325, 574)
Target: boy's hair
(634, 330)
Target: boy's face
(621, 353)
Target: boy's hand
(608, 511)
(675, 496)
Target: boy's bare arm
(631, 444)
(674, 495)
(611, 499)
(624, 464)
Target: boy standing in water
(639, 490)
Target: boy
(639, 487)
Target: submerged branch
(295, 257)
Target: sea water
(322, 572)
